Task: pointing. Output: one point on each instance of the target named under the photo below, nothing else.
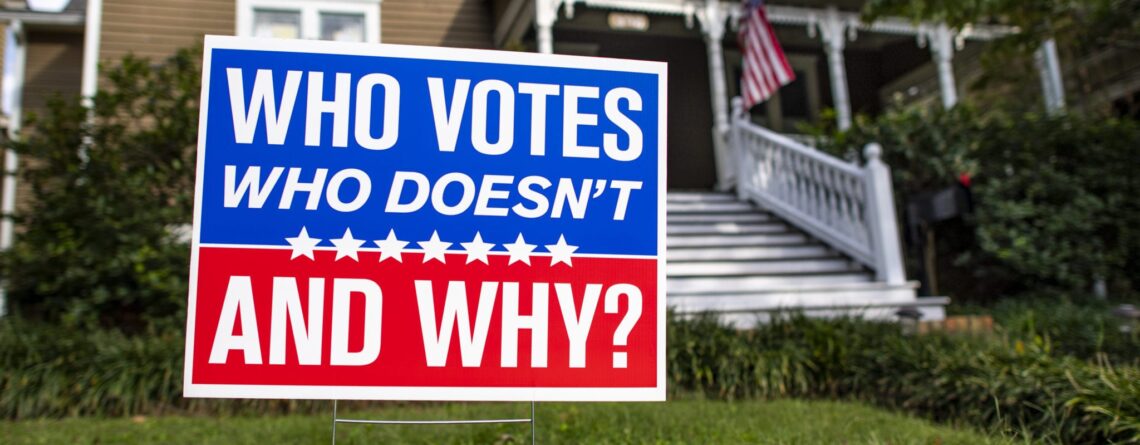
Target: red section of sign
(402, 360)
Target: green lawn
(683, 421)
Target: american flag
(765, 67)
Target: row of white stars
(433, 249)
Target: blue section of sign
(417, 151)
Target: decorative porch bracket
(850, 208)
(545, 14)
(942, 42)
(835, 30)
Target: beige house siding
(54, 66)
(454, 23)
(155, 29)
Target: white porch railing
(846, 206)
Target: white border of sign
(441, 393)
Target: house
(803, 229)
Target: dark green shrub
(51, 371)
(1015, 387)
(99, 243)
(1086, 330)
(1057, 201)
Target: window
(339, 20)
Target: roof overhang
(44, 18)
(519, 17)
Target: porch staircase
(745, 263)
(805, 231)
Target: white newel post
(881, 218)
(712, 19)
(942, 48)
(833, 31)
(1049, 66)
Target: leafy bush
(1087, 330)
(100, 243)
(52, 371)
(1057, 201)
(1015, 387)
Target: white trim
(801, 16)
(15, 59)
(433, 393)
(310, 11)
(654, 393)
(65, 19)
(92, 34)
(1049, 67)
(674, 7)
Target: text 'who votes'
(374, 101)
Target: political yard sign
(413, 223)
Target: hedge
(1015, 387)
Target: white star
(391, 247)
(302, 244)
(560, 252)
(347, 246)
(477, 250)
(434, 248)
(519, 250)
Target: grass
(674, 422)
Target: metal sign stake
(531, 421)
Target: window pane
(278, 24)
(342, 27)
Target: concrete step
(855, 296)
(704, 218)
(682, 286)
(748, 253)
(699, 197)
(728, 229)
(713, 241)
(710, 207)
(751, 268)
(745, 263)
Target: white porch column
(12, 106)
(833, 31)
(712, 19)
(1049, 65)
(92, 33)
(545, 13)
(942, 48)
